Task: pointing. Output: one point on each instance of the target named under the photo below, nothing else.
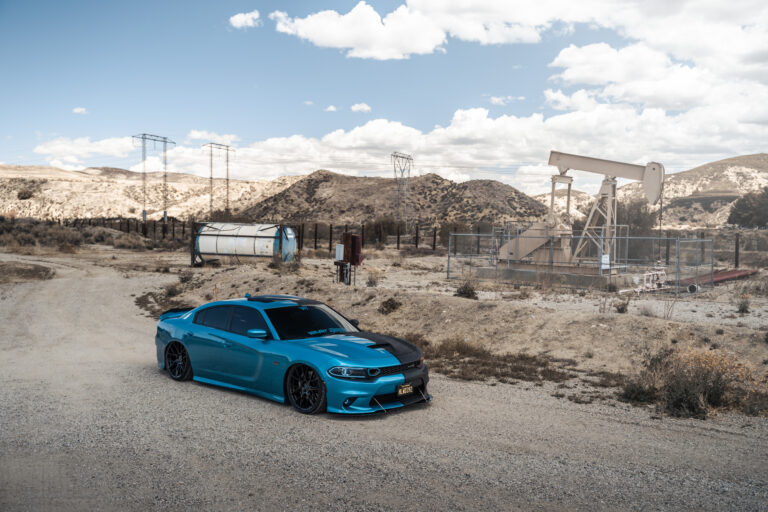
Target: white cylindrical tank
(228, 239)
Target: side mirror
(355, 322)
(257, 333)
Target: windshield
(296, 322)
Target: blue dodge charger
(291, 350)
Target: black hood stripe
(404, 351)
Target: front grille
(401, 368)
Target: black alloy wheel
(305, 389)
(177, 362)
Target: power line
(227, 149)
(401, 164)
(144, 137)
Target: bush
(67, 248)
(172, 290)
(622, 307)
(743, 306)
(466, 290)
(132, 241)
(687, 384)
(25, 193)
(388, 306)
(372, 281)
(186, 277)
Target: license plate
(404, 389)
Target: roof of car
(267, 301)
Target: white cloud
(203, 135)
(69, 153)
(308, 103)
(330, 108)
(708, 32)
(473, 144)
(245, 19)
(360, 107)
(79, 110)
(364, 33)
(503, 100)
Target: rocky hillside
(331, 197)
(581, 202)
(703, 196)
(48, 192)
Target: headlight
(346, 372)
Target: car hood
(366, 348)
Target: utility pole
(227, 149)
(144, 137)
(401, 164)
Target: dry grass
(466, 290)
(692, 383)
(388, 306)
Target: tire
(177, 362)
(305, 389)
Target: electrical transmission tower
(144, 137)
(402, 167)
(224, 147)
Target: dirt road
(87, 421)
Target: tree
(750, 210)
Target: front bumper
(347, 396)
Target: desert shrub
(457, 347)
(687, 384)
(612, 288)
(388, 306)
(25, 193)
(743, 305)
(172, 290)
(646, 311)
(373, 279)
(466, 290)
(132, 241)
(186, 277)
(67, 248)
(622, 307)
(719, 331)
(99, 235)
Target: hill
(703, 196)
(331, 197)
(48, 192)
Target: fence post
(434, 238)
(398, 236)
(362, 235)
(417, 236)
(154, 230)
(478, 239)
(173, 229)
(183, 229)
(736, 251)
(315, 235)
(301, 237)
(677, 257)
(667, 258)
(330, 239)
(448, 267)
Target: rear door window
(244, 319)
(217, 317)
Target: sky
(471, 89)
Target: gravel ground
(87, 421)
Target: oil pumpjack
(550, 240)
